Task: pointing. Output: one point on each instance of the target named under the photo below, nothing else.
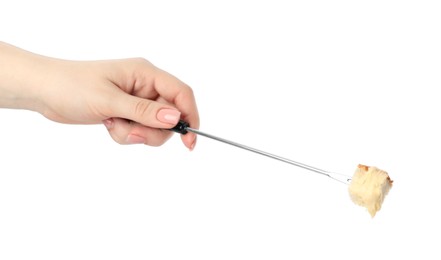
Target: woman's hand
(135, 100)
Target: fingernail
(108, 123)
(169, 116)
(135, 139)
(193, 144)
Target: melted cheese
(368, 188)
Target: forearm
(21, 77)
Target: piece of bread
(368, 187)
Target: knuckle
(141, 61)
(158, 138)
(185, 93)
(188, 90)
(143, 108)
(117, 139)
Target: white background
(327, 83)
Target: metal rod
(341, 178)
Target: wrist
(21, 78)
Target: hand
(135, 100)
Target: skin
(134, 99)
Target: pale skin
(135, 100)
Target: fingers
(129, 132)
(188, 139)
(180, 95)
(147, 112)
(154, 98)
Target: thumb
(146, 112)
